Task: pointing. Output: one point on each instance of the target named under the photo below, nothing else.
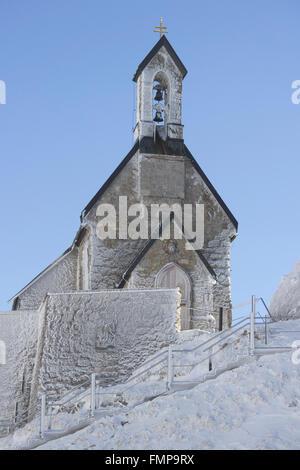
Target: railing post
(221, 319)
(43, 416)
(266, 330)
(16, 411)
(252, 325)
(170, 368)
(210, 360)
(50, 409)
(97, 398)
(93, 395)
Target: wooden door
(172, 276)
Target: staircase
(89, 401)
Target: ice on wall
(285, 303)
(254, 406)
(18, 332)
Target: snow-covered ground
(253, 406)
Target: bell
(158, 117)
(158, 96)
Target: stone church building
(113, 277)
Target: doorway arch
(171, 276)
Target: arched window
(2, 352)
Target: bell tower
(159, 93)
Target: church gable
(167, 264)
(153, 160)
(163, 42)
(156, 253)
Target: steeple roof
(162, 42)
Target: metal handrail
(238, 318)
(79, 396)
(259, 317)
(153, 359)
(143, 371)
(213, 338)
(206, 357)
(30, 408)
(264, 304)
(75, 388)
(226, 337)
(208, 345)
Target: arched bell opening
(160, 100)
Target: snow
(285, 303)
(252, 406)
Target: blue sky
(68, 67)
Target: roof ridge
(143, 251)
(211, 187)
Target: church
(158, 169)
(106, 279)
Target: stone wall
(218, 233)
(18, 330)
(217, 253)
(109, 331)
(110, 258)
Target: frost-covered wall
(61, 277)
(110, 258)
(18, 330)
(110, 331)
(218, 233)
(285, 303)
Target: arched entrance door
(172, 276)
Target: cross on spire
(160, 29)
